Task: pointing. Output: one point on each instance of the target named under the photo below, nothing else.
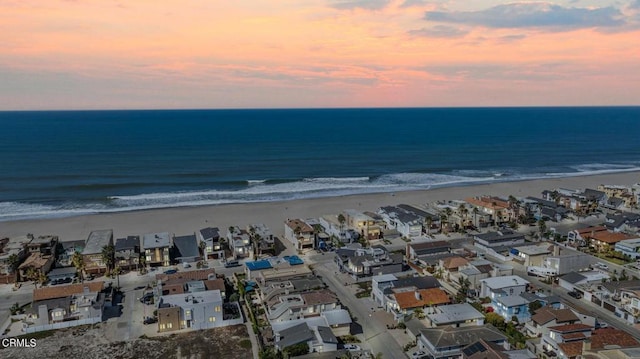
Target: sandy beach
(186, 220)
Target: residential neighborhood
(548, 277)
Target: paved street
(374, 331)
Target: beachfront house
(263, 239)
(127, 252)
(92, 252)
(406, 222)
(364, 224)
(40, 256)
(213, 247)
(66, 250)
(156, 247)
(419, 250)
(185, 249)
(240, 242)
(300, 233)
(12, 252)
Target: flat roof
(156, 240)
(512, 300)
(98, 240)
(455, 313)
(533, 250)
(504, 282)
(179, 300)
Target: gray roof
(327, 336)
(401, 214)
(460, 337)
(504, 282)
(210, 233)
(156, 240)
(98, 240)
(187, 246)
(297, 334)
(418, 282)
(593, 194)
(512, 300)
(415, 325)
(337, 316)
(129, 243)
(618, 285)
(573, 277)
(419, 212)
(302, 284)
(454, 313)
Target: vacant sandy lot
(87, 342)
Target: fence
(60, 325)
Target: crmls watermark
(18, 343)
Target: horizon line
(320, 108)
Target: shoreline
(188, 219)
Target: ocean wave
(278, 190)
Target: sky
(150, 54)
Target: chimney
(417, 294)
(586, 345)
(556, 250)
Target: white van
(186, 265)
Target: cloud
(635, 4)
(360, 4)
(532, 15)
(444, 31)
(411, 3)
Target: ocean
(63, 163)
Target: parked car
(575, 295)
(229, 264)
(352, 347)
(419, 355)
(149, 320)
(171, 271)
(147, 298)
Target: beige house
(155, 247)
(299, 233)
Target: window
(162, 326)
(187, 313)
(169, 325)
(212, 319)
(217, 309)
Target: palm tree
(443, 218)
(462, 210)
(14, 262)
(33, 275)
(108, 256)
(341, 219)
(78, 262)
(475, 212)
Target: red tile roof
(425, 297)
(63, 291)
(599, 339)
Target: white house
(501, 286)
(405, 222)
